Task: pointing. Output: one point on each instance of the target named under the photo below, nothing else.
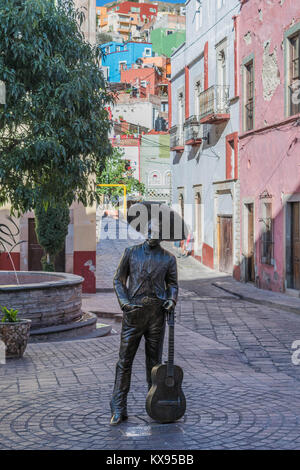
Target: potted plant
(14, 332)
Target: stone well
(47, 299)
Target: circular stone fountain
(52, 301)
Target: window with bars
(267, 243)
(294, 74)
(249, 96)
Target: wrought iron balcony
(192, 131)
(176, 138)
(214, 105)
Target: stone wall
(48, 304)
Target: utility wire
(209, 29)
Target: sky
(99, 3)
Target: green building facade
(155, 166)
(164, 43)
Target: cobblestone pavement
(242, 390)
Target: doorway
(36, 252)
(198, 221)
(250, 271)
(225, 243)
(293, 245)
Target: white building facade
(204, 128)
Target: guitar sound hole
(170, 382)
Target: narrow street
(241, 387)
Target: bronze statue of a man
(152, 290)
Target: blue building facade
(118, 54)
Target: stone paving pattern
(242, 390)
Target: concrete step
(117, 316)
(86, 327)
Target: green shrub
(51, 229)
(9, 316)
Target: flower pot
(15, 337)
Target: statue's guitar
(165, 401)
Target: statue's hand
(129, 307)
(169, 305)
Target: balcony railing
(192, 131)
(214, 104)
(176, 138)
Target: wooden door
(35, 252)
(225, 252)
(296, 244)
(250, 244)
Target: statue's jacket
(139, 263)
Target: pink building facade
(269, 144)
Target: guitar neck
(170, 365)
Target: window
(144, 83)
(168, 179)
(198, 220)
(122, 65)
(154, 178)
(249, 96)
(198, 90)
(169, 32)
(180, 117)
(147, 52)
(267, 243)
(181, 205)
(153, 10)
(106, 49)
(221, 91)
(221, 3)
(135, 10)
(105, 71)
(221, 67)
(118, 48)
(199, 14)
(294, 74)
(164, 107)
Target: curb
(267, 303)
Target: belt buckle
(149, 300)
(146, 300)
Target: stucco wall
(269, 158)
(136, 113)
(199, 168)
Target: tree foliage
(102, 38)
(51, 229)
(54, 126)
(116, 171)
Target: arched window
(154, 178)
